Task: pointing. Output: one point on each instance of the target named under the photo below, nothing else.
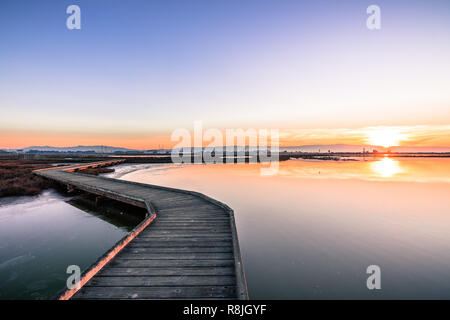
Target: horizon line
(226, 146)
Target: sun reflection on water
(386, 167)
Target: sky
(138, 70)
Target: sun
(385, 136)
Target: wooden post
(97, 200)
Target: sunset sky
(137, 70)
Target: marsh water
(41, 236)
(311, 229)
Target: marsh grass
(17, 178)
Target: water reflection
(387, 167)
(384, 169)
(311, 230)
(40, 236)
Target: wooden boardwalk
(186, 248)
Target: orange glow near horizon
(23, 139)
(403, 136)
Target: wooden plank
(187, 271)
(193, 223)
(204, 238)
(147, 263)
(191, 226)
(183, 209)
(150, 243)
(184, 233)
(160, 281)
(170, 237)
(193, 219)
(213, 229)
(194, 215)
(134, 250)
(185, 205)
(170, 211)
(197, 292)
(184, 236)
(176, 256)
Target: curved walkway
(186, 248)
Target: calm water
(40, 236)
(310, 230)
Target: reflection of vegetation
(321, 157)
(117, 213)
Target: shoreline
(17, 179)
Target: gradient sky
(137, 70)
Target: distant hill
(93, 149)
